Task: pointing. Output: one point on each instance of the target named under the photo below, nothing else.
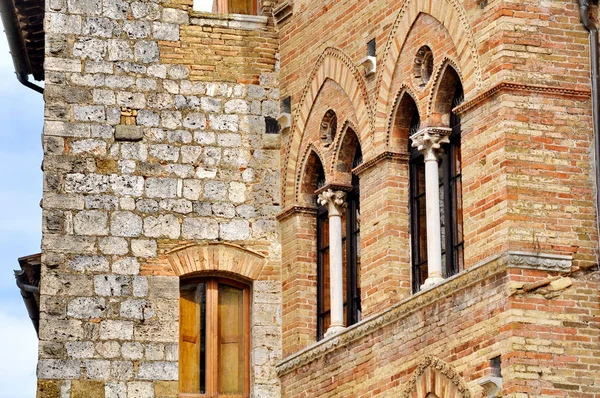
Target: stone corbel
(492, 386)
(370, 65)
(285, 122)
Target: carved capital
(335, 201)
(430, 139)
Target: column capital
(335, 201)
(429, 140)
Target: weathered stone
(165, 31)
(121, 370)
(215, 190)
(165, 152)
(146, 51)
(97, 369)
(108, 349)
(140, 286)
(136, 309)
(80, 349)
(182, 206)
(126, 266)
(133, 350)
(143, 248)
(200, 228)
(161, 187)
(192, 189)
(137, 29)
(223, 209)
(163, 226)
(86, 307)
(113, 245)
(116, 330)
(58, 369)
(89, 147)
(234, 230)
(92, 263)
(112, 285)
(158, 371)
(139, 389)
(125, 223)
(173, 15)
(115, 390)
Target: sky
(21, 119)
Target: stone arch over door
(435, 378)
(218, 258)
(452, 15)
(335, 65)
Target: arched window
(351, 252)
(214, 338)
(450, 199)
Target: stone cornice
(539, 261)
(401, 310)
(399, 157)
(487, 268)
(506, 86)
(287, 213)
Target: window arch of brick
(434, 377)
(221, 258)
(312, 178)
(403, 116)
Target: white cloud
(18, 357)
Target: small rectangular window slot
(286, 105)
(271, 125)
(371, 48)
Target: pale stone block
(144, 248)
(234, 230)
(200, 228)
(162, 226)
(192, 189)
(125, 223)
(147, 51)
(97, 369)
(89, 263)
(132, 350)
(126, 266)
(121, 370)
(86, 307)
(161, 187)
(136, 309)
(215, 190)
(112, 285)
(127, 203)
(108, 349)
(116, 330)
(155, 352)
(137, 29)
(80, 349)
(237, 192)
(101, 202)
(58, 369)
(114, 245)
(140, 286)
(115, 390)
(165, 152)
(158, 371)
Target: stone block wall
(146, 154)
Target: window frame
(223, 8)
(352, 297)
(451, 182)
(212, 335)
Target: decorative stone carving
(438, 366)
(539, 261)
(334, 200)
(430, 139)
(328, 128)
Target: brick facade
(158, 165)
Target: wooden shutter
(231, 340)
(191, 339)
(247, 7)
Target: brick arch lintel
(216, 257)
(449, 383)
(333, 64)
(452, 15)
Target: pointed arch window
(351, 259)
(450, 191)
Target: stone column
(429, 140)
(335, 205)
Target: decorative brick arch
(405, 90)
(216, 257)
(335, 159)
(301, 172)
(451, 14)
(335, 65)
(440, 74)
(435, 377)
